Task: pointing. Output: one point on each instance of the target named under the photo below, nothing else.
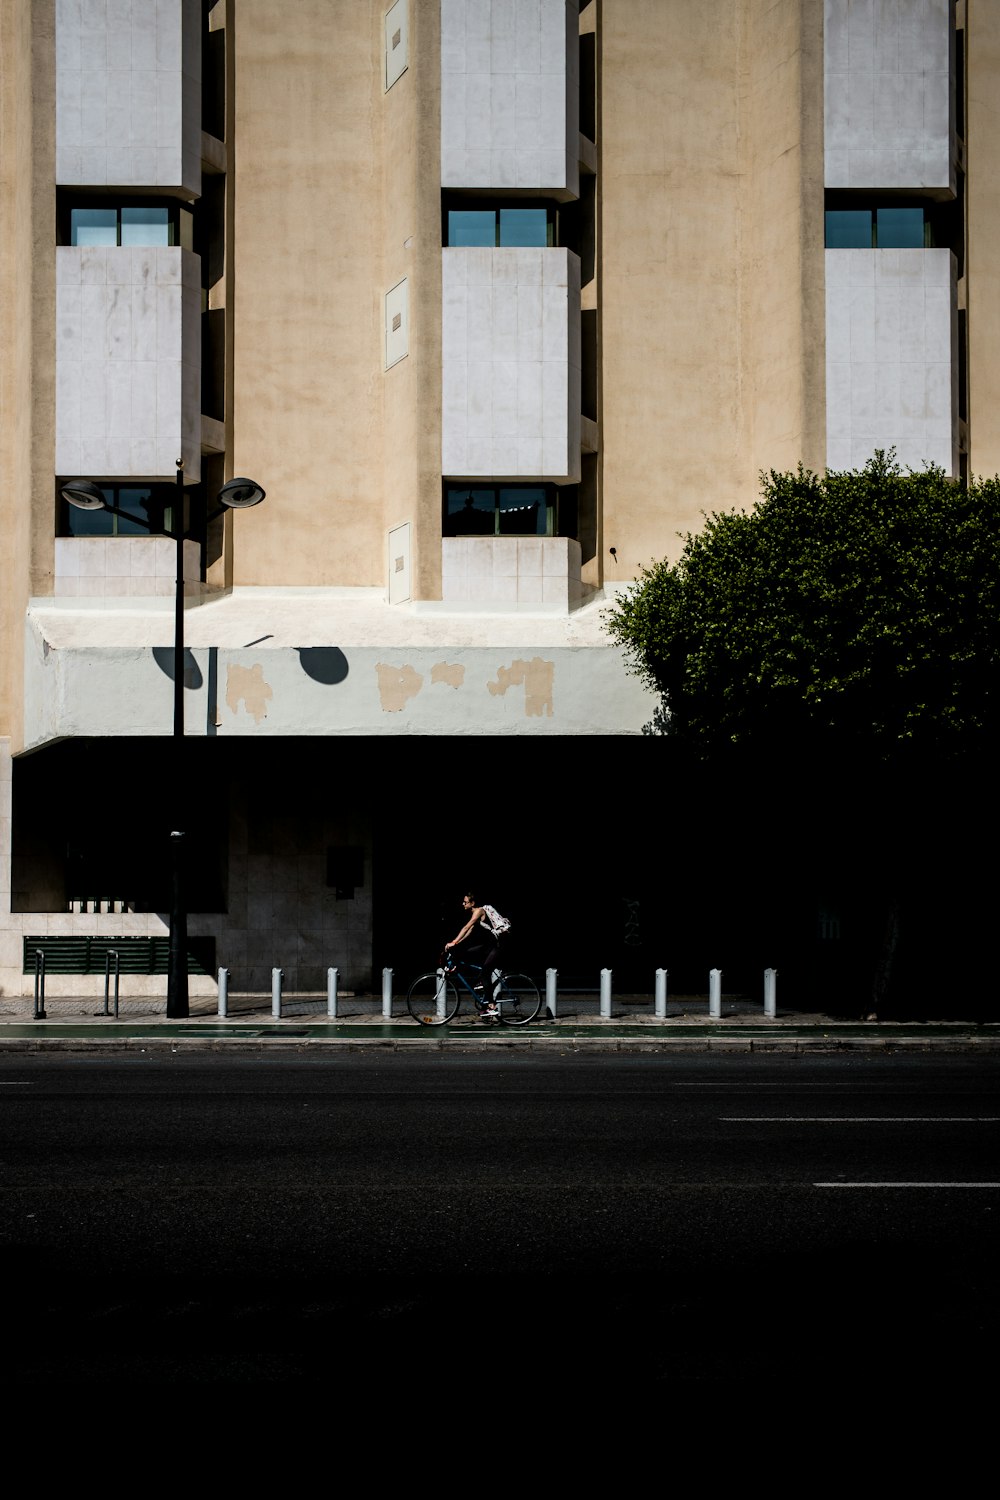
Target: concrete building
(493, 299)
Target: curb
(565, 1042)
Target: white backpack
(499, 924)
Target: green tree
(834, 652)
(852, 613)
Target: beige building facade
(493, 299)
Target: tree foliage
(856, 612)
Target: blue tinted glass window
(472, 227)
(135, 502)
(146, 226)
(849, 229)
(93, 226)
(900, 228)
(524, 226)
(91, 522)
(134, 505)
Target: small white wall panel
(399, 564)
(510, 94)
(397, 324)
(128, 94)
(397, 42)
(891, 357)
(887, 94)
(511, 363)
(128, 362)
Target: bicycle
(433, 998)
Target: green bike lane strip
(110, 1031)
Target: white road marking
(860, 1119)
(907, 1184)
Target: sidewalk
(79, 1024)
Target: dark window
(500, 510)
(888, 226)
(140, 510)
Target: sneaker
(490, 1012)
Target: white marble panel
(897, 387)
(887, 80)
(69, 388)
(501, 62)
(128, 92)
(94, 396)
(498, 402)
(143, 375)
(128, 362)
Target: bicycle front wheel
(518, 1001)
(432, 999)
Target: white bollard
(276, 977)
(223, 992)
(770, 993)
(715, 994)
(550, 993)
(387, 994)
(660, 996)
(331, 993)
(440, 994)
(606, 994)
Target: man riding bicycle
(478, 944)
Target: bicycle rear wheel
(518, 1000)
(432, 999)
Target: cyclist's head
(472, 898)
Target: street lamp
(236, 494)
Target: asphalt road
(700, 1225)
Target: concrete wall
(128, 362)
(310, 282)
(411, 248)
(781, 297)
(128, 93)
(509, 94)
(710, 288)
(887, 94)
(892, 351)
(109, 674)
(510, 363)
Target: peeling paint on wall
(247, 685)
(451, 675)
(536, 677)
(396, 686)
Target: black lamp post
(236, 494)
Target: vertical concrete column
(715, 994)
(387, 994)
(331, 993)
(660, 995)
(223, 992)
(276, 977)
(551, 975)
(606, 994)
(770, 993)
